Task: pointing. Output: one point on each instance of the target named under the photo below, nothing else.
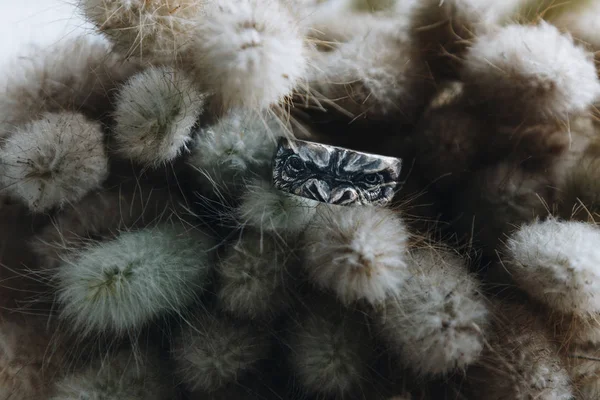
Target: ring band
(335, 175)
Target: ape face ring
(335, 175)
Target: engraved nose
(318, 190)
(343, 196)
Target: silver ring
(335, 175)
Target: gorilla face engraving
(333, 174)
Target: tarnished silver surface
(335, 175)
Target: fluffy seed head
(443, 29)
(237, 148)
(155, 115)
(249, 53)
(54, 160)
(117, 377)
(583, 22)
(265, 208)
(330, 351)
(521, 361)
(102, 215)
(376, 75)
(353, 18)
(156, 31)
(253, 276)
(530, 72)
(358, 252)
(214, 351)
(435, 322)
(76, 75)
(557, 263)
(121, 285)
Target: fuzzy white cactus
(155, 115)
(254, 276)
(267, 209)
(155, 31)
(376, 75)
(101, 215)
(77, 75)
(236, 149)
(444, 29)
(357, 252)
(115, 377)
(249, 53)
(331, 348)
(121, 285)
(214, 351)
(556, 263)
(582, 22)
(354, 18)
(329, 301)
(53, 161)
(521, 360)
(437, 319)
(530, 72)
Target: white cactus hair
(379, 74)
(533, 71)
(117, 376)
(254, 276)
(77, 75)
(556, 263)
(474, 17)
(214, 351)
(579, 193)
(582, 364)
(436, 321)
(443, 29)
(521, 361)
(249, 53)
(155, 31)
(331, 347)
(101, 215)
(147, 254)
(583, 23)
(237, 148)
(54, 160)
(155, 115)
(121, 285)
(315, 19)
(267, 209)
(357, 252)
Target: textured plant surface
(145, 252)
(122, 284)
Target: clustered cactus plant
(145, 253)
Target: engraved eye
(294, 165)
(372, 179)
